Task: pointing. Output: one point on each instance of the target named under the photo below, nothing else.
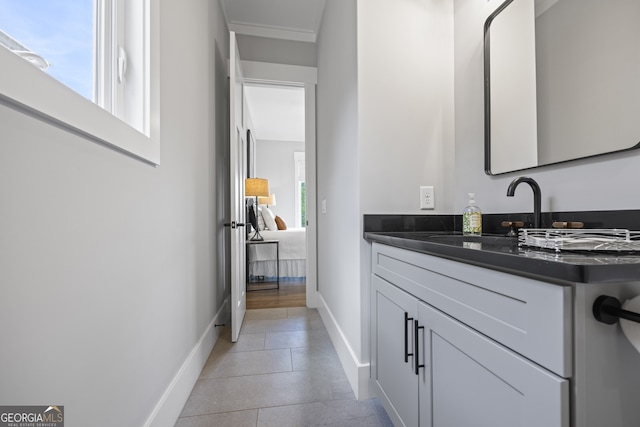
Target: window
(56, 37)
(303, 204)
(100, 49)
(301, 189)
(120, 76)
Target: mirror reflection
(561, 81)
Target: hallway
(283, 371)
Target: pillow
(261, 223)
(269, 219)
(280, 223)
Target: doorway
(276, 116)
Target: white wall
(594, 184)
(111, 269)
(385, 127)
(265, 49)
(274, 161)
(339, 228)
(405, 104)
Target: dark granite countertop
(503, 253)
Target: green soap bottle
(472, 218)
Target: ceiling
(277, 112)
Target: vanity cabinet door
(392, 365)
(470, 380)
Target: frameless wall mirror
(562, 81)
(62, 60)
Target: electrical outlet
(427, 197)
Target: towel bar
(607, 309)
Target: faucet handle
(513, 227)
(567, 224)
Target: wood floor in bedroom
(292, 293)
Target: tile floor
(283, 371)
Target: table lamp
(267, 201)
(256, 187)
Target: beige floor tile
(293, 339)
(283, 371)
(333, 413)
(246, 342)
(225, 419)
(266, 313)
(255, 391)
(309, 313)
(276, 325)
(320, 358)
(235, 364)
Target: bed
(292, 251)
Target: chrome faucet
(536, 196)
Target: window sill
(25, 88)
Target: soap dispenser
(472, 218)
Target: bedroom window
(303, 204)
(300, 189)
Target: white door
(237, 165)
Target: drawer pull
(416, 342)
(406, 337)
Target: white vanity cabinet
(459, 345)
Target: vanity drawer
(531, 317)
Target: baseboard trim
(357, 373)
(170, 405)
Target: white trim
(168, 409)
(311, 186)
(357, 373)
(272, 32)
(266, 72)
(253, 29)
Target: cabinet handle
(406, 337)
(416, 342)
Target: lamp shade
(269, 201)
(256, 187)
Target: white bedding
(292, 254)
(292, 244)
